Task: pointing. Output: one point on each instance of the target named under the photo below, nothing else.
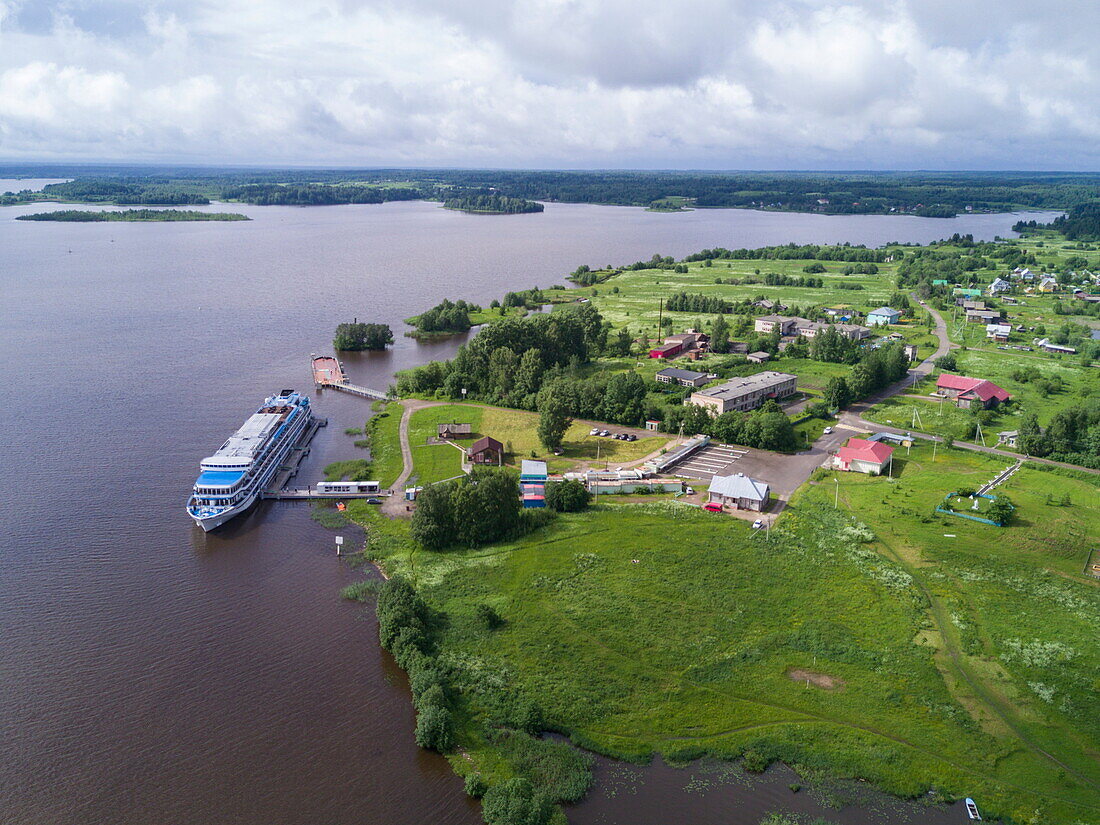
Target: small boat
(341, 506)
(972, 809)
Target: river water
(151, 674)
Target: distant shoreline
(131, 216)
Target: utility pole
(660, 315)
(836, 498)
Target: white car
(594, 431)
(827, 431)
(690, 491)
(756, 525)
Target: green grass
(520, 429)
(636, 303)
(944, 418)
(384, 443)
(688, 650)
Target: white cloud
(699, 83)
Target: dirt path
(394, 506)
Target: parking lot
(712, 460)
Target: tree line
(446, 316)
(491, 202)
(1081, 223)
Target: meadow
(517, 431)
(885, 650)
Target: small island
(132, 216)
(491, 203)
(356, 337)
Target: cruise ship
(233, 478)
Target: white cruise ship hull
(212, 522)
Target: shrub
(488, 617)
(516, 802)
(475, 786)
(434, 729)
(567, 496)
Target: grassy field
(943, 418)
(657, 628)
(518, 428)
(632, 298)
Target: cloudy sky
(729, 84)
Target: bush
(475, 786)
(434, 729)
(947, 362)
(488, 617)
(566, 496)
(516, 802)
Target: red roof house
(863, 456)
(967, 391)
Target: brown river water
(151, 674)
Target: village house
(684, 378)
(454, 430)
(862, 456)
(965, 293)
(764, 303)
(853, 332)
(486, 450)
(758, 357)
(883, 316)
(998, 286)
(910, 351)
(1049, 346)
(1008, 437)
(739, 492)
(966, 392)
(1048, 284)
(982, 316)
(998, 332)
(746, 393)
(688, 340)
(971, 304)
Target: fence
(967, 515)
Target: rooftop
(860, 449)
(687, 375)
(739, 486)
(739, 386)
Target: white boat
(972, 809)
(232, 479)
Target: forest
(131, 216)
(1081, 224)
(934, 194)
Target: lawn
(385, 448)
(656, 627)
(517, 430)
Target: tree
(720, 335)
(516, 802)
(623, 342)
(566, 496)
(485, 506)
(434, 729)
(1001, 510)
(433, 523)
(624, 399)
(554, 420)
(356, 336)
(837, 394)
(947, 361)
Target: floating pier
(328, 374)
(294, 458)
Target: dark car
(374, 501)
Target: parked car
(604, 433)
(594, 431)
(374, 501)
(827, 431)
(632, 437)
(712, 507)
(756, 525)
(690, 491)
